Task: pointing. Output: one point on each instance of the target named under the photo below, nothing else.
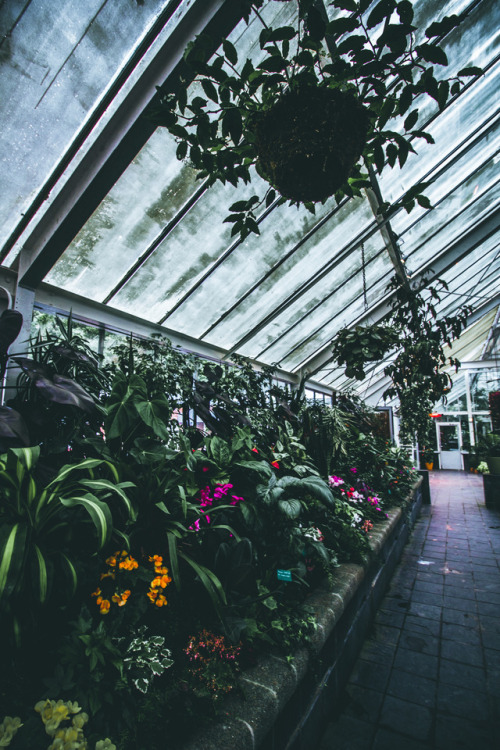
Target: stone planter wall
(286, 706)
(491, 484)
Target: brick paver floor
(429, 675)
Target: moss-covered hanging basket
(309, 141)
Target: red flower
(275, 464)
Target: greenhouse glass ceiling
(99, 215)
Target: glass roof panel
(133, 214)
(320, 249)
(451, 131)
(336, 311)
(451, 219)
(183, 257)
(249, 265)
(57, 60)
(353, 308)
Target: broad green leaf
(210, 90)
(232, 124)
(12, 555)
(28, 457)
(208, 579)
(273, 64)
(432, 53)
(156, 414)
(66, 471)
(261, 467)
(230, 51)
(174, 559)
(42, 578)
(71, 572)
(291, 508)
(411, 120)
(98, 512)
(106, 485)
(341, 25)
(470, 71)
(219, 451)
(382, 10)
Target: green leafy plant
(146, 658)
(321, 95)
(417, 374)
(43, 525)
(354, 347)
(57, 393)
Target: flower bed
(142, 564)
(283, 705)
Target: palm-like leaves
(39, 523)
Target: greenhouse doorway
(450, 445)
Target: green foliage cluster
(418, 336)
(222, 110)
(149, 531)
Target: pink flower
(335, 481)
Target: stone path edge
(268, 687)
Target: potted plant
(488, 453)
(313, 108)
(428, 457)
(490, 444)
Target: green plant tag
(284, 575)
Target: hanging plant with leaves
(315, 107)
(356, 347)
(417, 374)
(419, 336)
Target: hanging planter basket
(309, 141)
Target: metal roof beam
(96, 313)
(119, 140)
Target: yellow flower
(8, 728)
(161, 601)
(79, 721)
(105, 745)
(111, 561)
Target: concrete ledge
(284, 707)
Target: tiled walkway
(429, 675)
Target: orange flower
(110, 574)
(128, 564)
(161, 581)
(152, 594)
(104, 606)
(161, 601)
(121, 599)
(96, 592)
(111, 561)
(157, 559)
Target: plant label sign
(284, 575)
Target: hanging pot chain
(364, 274)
